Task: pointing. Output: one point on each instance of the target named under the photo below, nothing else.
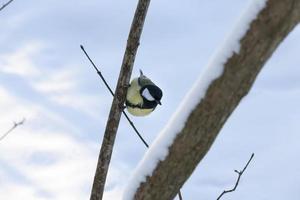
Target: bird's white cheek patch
(147, 95)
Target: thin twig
(6, 4)
(15, 125)
(112, 93)
(125, 114)
(180, 195)
(240, 173)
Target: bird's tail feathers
(141, 73)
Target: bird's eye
(146, 94)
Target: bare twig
(119, 100)
(15, 125)
(6, 4)
(112, 93)
(240, 173)
(180, 195)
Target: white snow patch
(159, 149)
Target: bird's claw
(122, 107)
(127, 85)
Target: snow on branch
(228, 77)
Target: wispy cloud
(62, 86)
(51, 163)
(44, 159)
(20, 61)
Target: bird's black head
(152, 93)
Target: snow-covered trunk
(228, 78)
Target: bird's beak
(157, 101)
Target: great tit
(142, 96)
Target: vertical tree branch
(119, 100)
(6, 4)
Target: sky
(45, 78)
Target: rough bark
(272, 25)
(119, 99)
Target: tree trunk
(266, 32)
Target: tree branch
(201, 127)
(119, 100)
(240, 173)
(6, 4)
(180, 195)
(15, 125)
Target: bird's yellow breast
(139, 112)
(133, 93)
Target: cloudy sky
(45, 78)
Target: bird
(142, 96)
